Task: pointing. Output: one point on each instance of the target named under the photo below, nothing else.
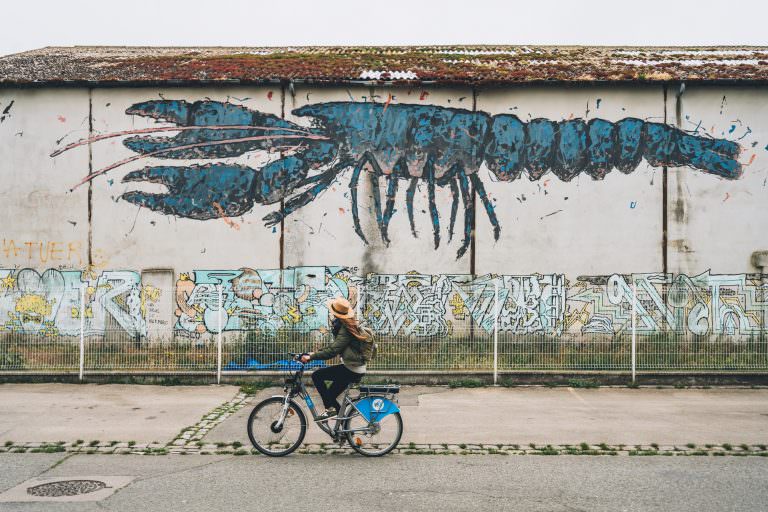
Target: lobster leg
(390, 209)
(409, 194)
(353, 194)
(478, 184)
(321, 182)
(429, 173)
(377, 196)
(449, 178)
(469, 207)
(454, 208)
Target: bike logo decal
(377, 404)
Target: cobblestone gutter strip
(236, 448)
(192, 435)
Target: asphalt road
(405, 482)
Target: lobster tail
(666, 145)
(570, 147)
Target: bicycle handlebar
(297, 357)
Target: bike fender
(375, 408)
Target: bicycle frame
(294, 386)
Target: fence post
(218, 336)
(496, 333)
(82, 330)
(634, 329)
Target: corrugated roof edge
(391, 65)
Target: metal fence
(466, 347)
(473, 351)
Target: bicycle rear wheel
(373, 439)
(270, 439)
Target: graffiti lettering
(43, 252)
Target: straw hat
(341, 308)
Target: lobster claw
(203, 122)
(199, 192)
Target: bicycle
(362, 418)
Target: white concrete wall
(716, 224)
(44, 225)
(581, 227)
(552, 232)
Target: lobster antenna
(190, 146)
(97, 138)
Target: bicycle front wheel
(375, 438)
(270, 438)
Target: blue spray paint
(441, 147)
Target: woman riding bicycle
(347, 335)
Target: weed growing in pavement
(411, 446)
(532, 445)
(584, 446)
(466, 383)
(241, 452)
(744, 447)
(603, 446)
(237, 444)
(548, 450)
(580, 383)
(462, 446)
(113, 443)
(727, 446)
(95, 442)
(48, 448)
(762, 447)
(251, 388)
(655, 446)
(79, 441)
(220, 444)
(8, 443)
(691, 445)
(131, 443)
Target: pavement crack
(55, 464)
(180, 471)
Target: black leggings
(340, 377)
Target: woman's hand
(305, 358)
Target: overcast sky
(32, 24)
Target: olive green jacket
(345, 345)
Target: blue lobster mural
(442, 147)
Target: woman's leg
(334, 374)
(340, 378)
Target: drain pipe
(760, 260)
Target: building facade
(529, 190)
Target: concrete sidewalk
(66, 412)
